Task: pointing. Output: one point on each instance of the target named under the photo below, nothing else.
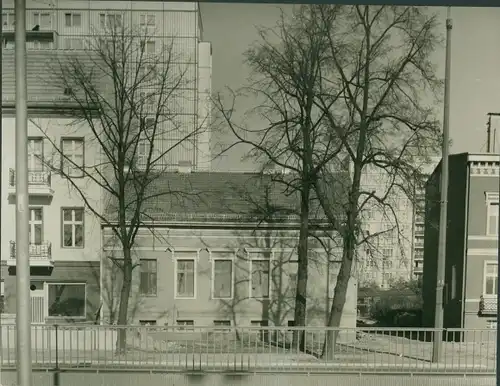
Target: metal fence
(253, 349)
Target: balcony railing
(488, 306)
(39, 254)
(39, 182)
(418, 270)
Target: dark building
(471, 279)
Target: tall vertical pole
(443, 220)
(23, 301)
(498, 291)
(488, 135)
(1, 160)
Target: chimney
(185, 167)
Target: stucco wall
(205, 245)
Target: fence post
(57, 379)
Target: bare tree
(381, 58)
(285, 77)
(129, 96)
(347, 89)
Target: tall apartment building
(397, 251)
(419, 220)
(70, 25)
(471, 261)
(65, 239)
(386, 256)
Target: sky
(475, 68)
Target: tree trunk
(302, 272)
(121, 343)
(339, 297)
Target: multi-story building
(419, 219)
(386, 255)
(394, 249)
(471, 275)
(65, 238)
(224, 253)
(170, 28)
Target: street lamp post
(23, 297)
(437, 346)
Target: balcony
(488, 306)
(39, 183)
(40, 255)
(42, 34)
(418, 270)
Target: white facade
(53, 202)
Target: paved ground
(274, 379)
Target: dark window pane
(67, 300)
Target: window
(146, 74)
(148, 47)
(111, 21)
(142, 153)
(222, 323)
(145, 143)
(147, 100)
(67, 300)
(490, 281)
(259, 323)
(419, 241)
(222, 279)
(147, 20)
(72, 160)
(259, 282)
(44, 20)
(107, 46)
(39, 45)
(73, 44)
(8, 20)
(72, 20)
(72, 227)
(147, 322)
(35, 154)
(387, 278)
(148, 279)
(419, 254)
(187, 325)
(492, 220)
(36, 226)
(185, 278)
(387, 253)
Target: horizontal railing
(488, 306)
(40, 178)
(37, 252)
(253, 349)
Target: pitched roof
(43, 82)
(219, 196)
